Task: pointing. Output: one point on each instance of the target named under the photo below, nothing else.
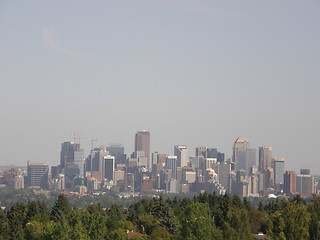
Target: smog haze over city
(193, 72)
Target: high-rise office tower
(252, 159)
(97, 155)
(117, 150)
(109, 167)
(201, 151)
(38, 173)
(224, 175)
(158, 161)
(72, 158)
(220, 157)
(306, 184)
(244, 157)
(67, 154)
(211, 153)
(269, 178)
(181, 151)
(254, 182)
(290, 182)
(171, 163)
(242, 184)
(95, 163)
(142, 144)
(278, 167)
(265, 156)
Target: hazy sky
(194, 72)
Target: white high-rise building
(182, 153)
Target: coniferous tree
(61, 209)
(161, 210)
(297, 220)
(4, 227)
(196, 223)
(314, 227)
(237, 219)
(17, 221)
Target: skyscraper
(278, 167)
(117, 150)
(171, 163)
(265, 156)
(72, 158)
(224, 175)
(201, 151)
(210, 153)
(142, 144)
(95, 163)
(38, 174)
(109, 167)
(290, 182)
(306, 184)
(181, 151)
(243, 157)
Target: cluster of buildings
(250, 171)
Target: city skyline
(207, 170)
(190, 151)
(95, 143)
(194, 73)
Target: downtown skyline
(246, 173)
(87, 145)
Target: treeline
(206, 216)
(8, 197)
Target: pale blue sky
(192, 72)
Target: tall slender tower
(278, 168)
(265, 158)
(142, 144)
(290, 182)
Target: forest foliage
(206, 216)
